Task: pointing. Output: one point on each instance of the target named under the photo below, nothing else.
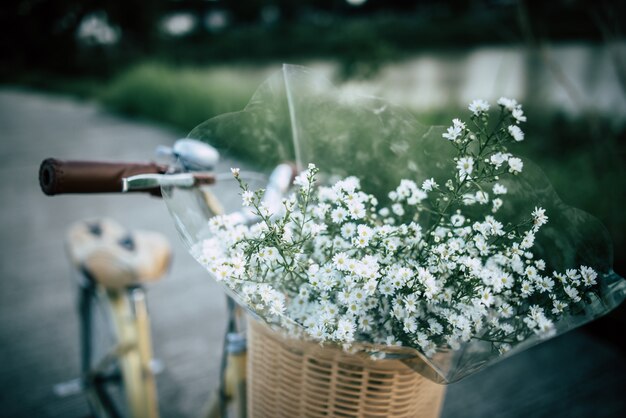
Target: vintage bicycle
(113, 265)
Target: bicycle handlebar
(63, 177)
(60, 177)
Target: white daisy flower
(348, 230)
(397, 209)
(499, 189)
(498, 159)
(457, 219)
(539, 217)
(482, 197)
(478, 106)
(572, 293)
(497, 204)
(465, 166)
(518, 114)
(588, 275)
(516, 133)
(339, 215)
(453, 133)
(509, 104)
(429, 185)
(247, 198)
(515, 165)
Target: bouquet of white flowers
(441, 241)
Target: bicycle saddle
(116, 257)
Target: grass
(182, 98)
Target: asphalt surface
(573, 375)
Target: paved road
(38, 327)
(571, 376)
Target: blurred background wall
(179, 62)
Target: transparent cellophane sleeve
(299, 115)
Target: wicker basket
(290, 378)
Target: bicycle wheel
(117, 354)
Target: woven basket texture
(291, 378)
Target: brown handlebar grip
(60, 177)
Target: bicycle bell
(191, 154)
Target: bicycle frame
(133, 351)
(127, 306)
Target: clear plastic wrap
(300, 116)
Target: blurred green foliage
(43, 34)
(182, 98)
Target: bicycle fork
(132, 350)
(232, 371)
